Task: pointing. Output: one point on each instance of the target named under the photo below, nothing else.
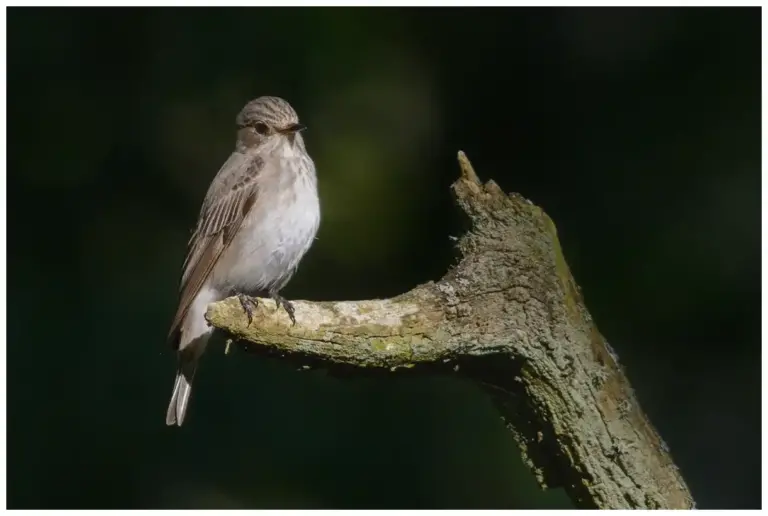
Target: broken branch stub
(510, 317)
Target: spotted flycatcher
(258, 219)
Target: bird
(259, 218)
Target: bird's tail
(182, 388)
(192, 335)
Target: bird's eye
(261, 128)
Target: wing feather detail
(229, 198)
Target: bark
(509, 316)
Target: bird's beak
(293, 128)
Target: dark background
(637, 130)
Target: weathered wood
(510, 316)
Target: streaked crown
(273, 111)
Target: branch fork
(510, 317)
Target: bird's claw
(248, 303)
(287, 306)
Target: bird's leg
(287, 305)
(248, 303)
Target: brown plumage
(259, 217)
(220, 217)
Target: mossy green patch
(379, 345)
(364, 308)
(570, 290)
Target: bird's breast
(276, 233)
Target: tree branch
(511, 317)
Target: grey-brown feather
(272, 111)
(259, 217)
(222, 208)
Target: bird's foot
(287, 305)
(248, 303)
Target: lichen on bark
(511, 317)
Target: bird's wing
(229, 199)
